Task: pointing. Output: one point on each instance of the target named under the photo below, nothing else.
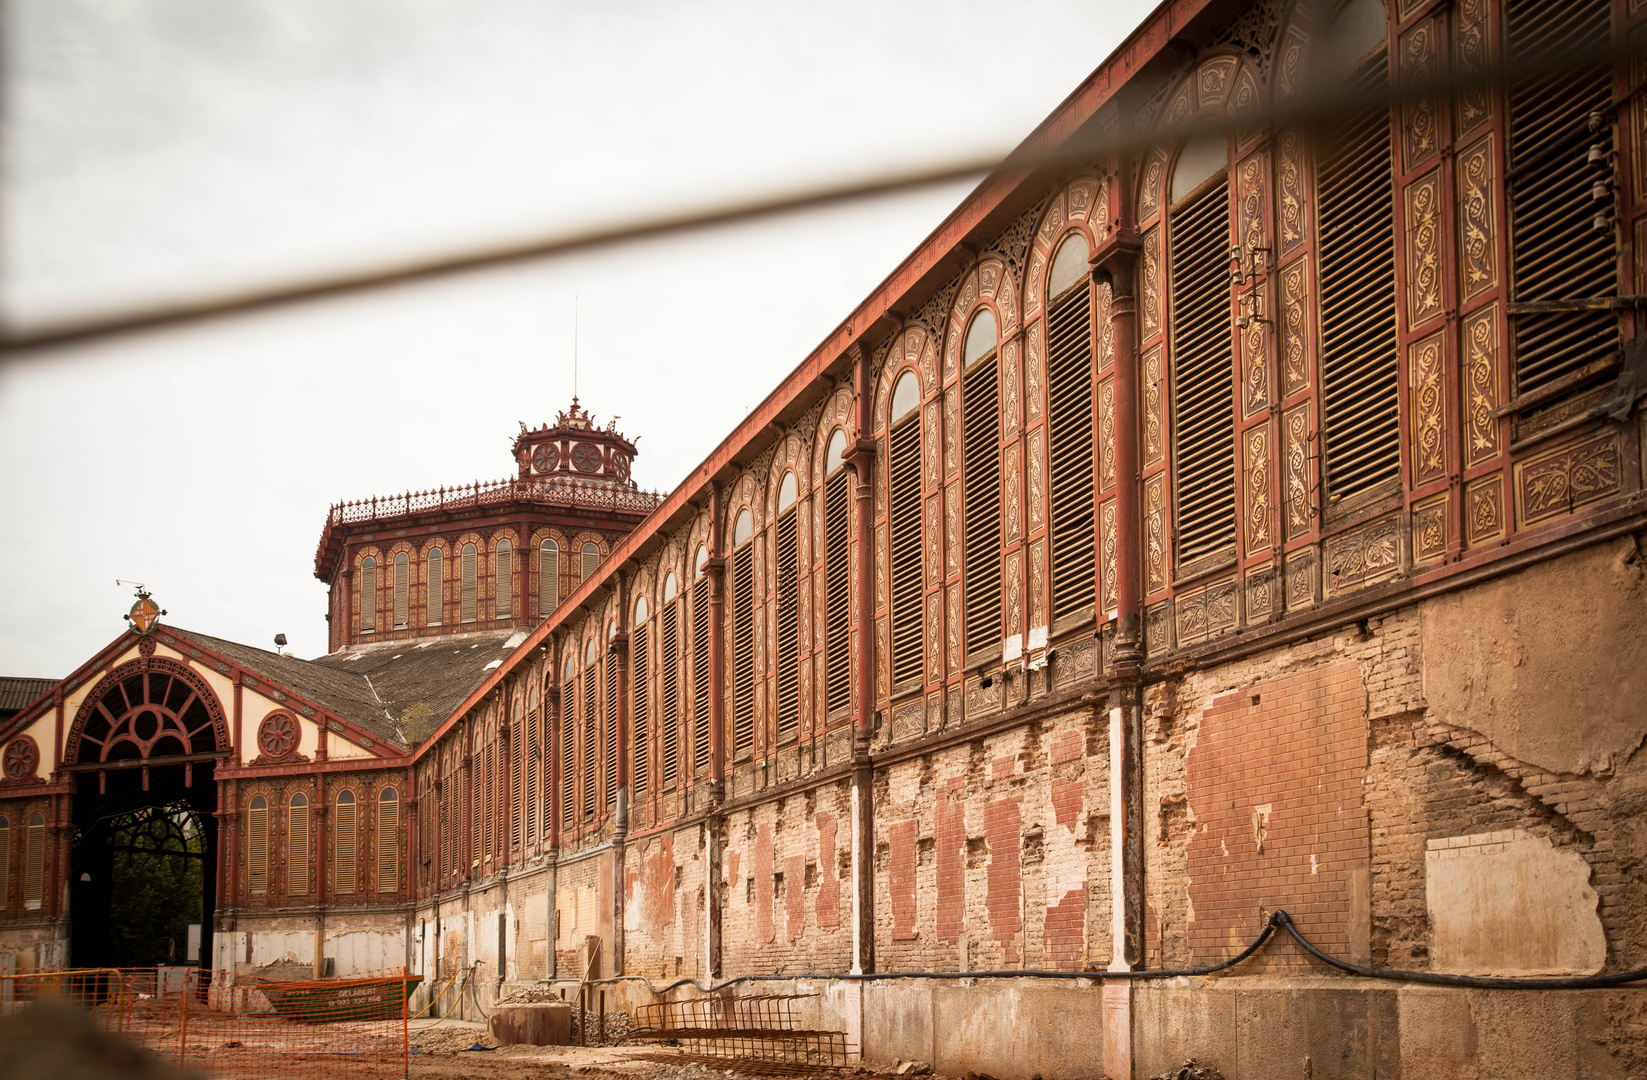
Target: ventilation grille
(435, 588)
(981, 508)
(468, 613)
(1202, 382)
(743, 651)
(388, 827)
(1360, 417)
(403, 589)
(789, 620)
(343, 847)
(609, 763)
(297, 850)
(669, 701)
(639, 707)
(591, 745)
(257, 854)
(904, 509)
(548, 577)
(1069, 378)
(505, 604)
(1555, 253)
(368, 596)
(700, 675)
(837, 596)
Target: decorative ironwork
(22, 758)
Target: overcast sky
(158, 149)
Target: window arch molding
(1079, 207)
(992, 284)
(82, 740)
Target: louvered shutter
(1360, 419)
(444, 811)
(980, 511)
(591, 561)
(468, 572)
(591, 742)
(609, 729)
(669, 701)
(489, 813)
(1203, 381)
(548, 577)
(1069, 415)
(5, 862)
(568, 759)
(368, 595)
(475, 788)
(403, 590)
(34, 864)
(638, 708)
(743, 651)
(700, 674)
(904, 513)
(789, 627)
(257, 847)
(837, 599)
(297, 847)
(436, 587)
(388, 837)
(534, 766)
(517, 777)
(1556, 253)
(344, 843)
(505, 567)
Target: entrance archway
(143, 750)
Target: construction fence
(351, 1028)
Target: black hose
(1586, 982)
(1277, 919)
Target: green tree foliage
(156, 895)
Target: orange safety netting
(353, 1028)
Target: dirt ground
(441, 1053)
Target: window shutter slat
(609, 731)
(368, 595)
(638, 704)
(5, 863)
(700, 675)
(468, 571)
(743, 651)
(981, 509)
(1069, 379)
(505, 590)
(436, 586)
(257, 850)
(548, 577)
(388, 835)
(669, 699)
(343, 846)
(1203, 381)
(403, 590)
(1359, 372)
(591, 743)
(297, 849)
(591, 562)
(789, 627)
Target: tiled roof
(16, 692)
(420, 682)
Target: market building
(1244, 515)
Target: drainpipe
(619, 647)
(861, 458)
(715, 824)
(551, 746)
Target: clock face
(620, 466)
(586, 458)
(545, 457)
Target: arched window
(517, 774)
(591, 727)
(591, 561)
(388, 841)
(904, 514)
(504, 565)
(403, 590)
(1563, 242)
(534, 765)
(1202, 364)
(609, 725)
(669, 658)
(743, 636)
(297, 846)
(257, 847)
(837, 496)
(468, 583)
(980, 492)
(435, 586)
(700, 661)
(344, 845)
(368, 595)
(787, 611)
(34, 864)
(548, 576)
(1069, 419)
(1355, 212)
(568, 744)
(5, 862)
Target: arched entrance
(143, 749)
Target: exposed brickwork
(828, 902)
(1005, 897)
(1275, 784)
(760, 870)
(902, 879)
(950, 850)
